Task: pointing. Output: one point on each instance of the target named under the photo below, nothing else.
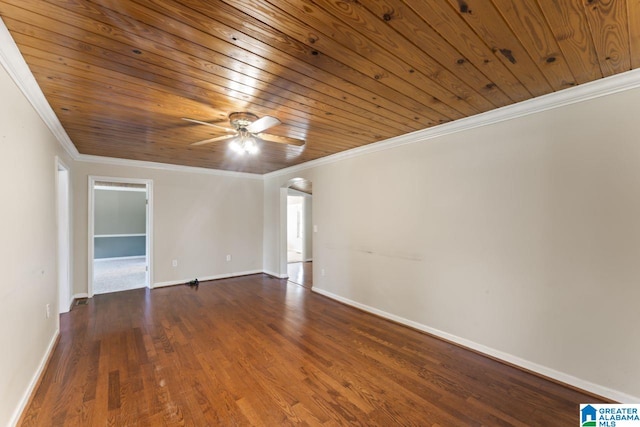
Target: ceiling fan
(246, 132)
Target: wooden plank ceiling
(121, 75)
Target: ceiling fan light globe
(236, 147)
(250, 146)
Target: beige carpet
(113, 275)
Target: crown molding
(584, 92)
(164, 166)
(12, 61)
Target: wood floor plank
(257, 350)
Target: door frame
(303, 222)
(91, 226)
(63, 224)
(283, 272)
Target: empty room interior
(398, 212)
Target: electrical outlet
(228, 257)
(322, 272)
(174, 263)
(48, 310)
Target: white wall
(519, 238)
(272, 215)
(308, 228)
(28, 251)
(120, 212)
(198, 219)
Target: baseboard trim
(276, 275)
(206, 278)
(569, 380)
(35, 381)
(80, 295)
(69, 305)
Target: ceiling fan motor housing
(240, 120)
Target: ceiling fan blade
(263, 123)
(281, 139)
(217, 138)
(209, 124)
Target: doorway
(120, 214)
(298, 248)
(295, 227)
(64, 238)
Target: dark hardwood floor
(301, 273)
(256, 350)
